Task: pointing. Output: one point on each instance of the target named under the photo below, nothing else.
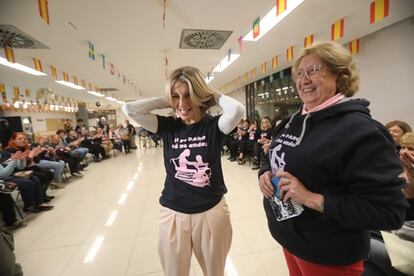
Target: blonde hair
(407, 138)
(200, 93)
(339, 62)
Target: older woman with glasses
(331, 172)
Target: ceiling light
(69, 84)
(225, 62)
(20, 67)
(270, 20)
(96, 93)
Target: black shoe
(241, 161)
(233, 159)
(255, 167)
(43, 208)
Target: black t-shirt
(194, 182)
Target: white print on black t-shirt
(190, 142)
(196, 173)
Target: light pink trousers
(207, 234)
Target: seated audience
(397, 129)
(264, 138)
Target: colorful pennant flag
(2, 87)
(378, 10)
(3, 93)
(264, 67)
(246, 76)
(254, 73)
(90, 86)
(16, 93)
(112, 69)
(280, 6)
(65, 76)
(308, 41)
(83, 83)
(75, 80)
(289, 53)
(240, 40)
(103, 61)
(9, 54)
(54, 71)
(124, 78)
(228, 54)
(37, 64)
(28, 94)
(354, 46)
(43, 10)
(337, 30)
(256, 28)
(91, 51)
(274, 62)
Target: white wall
(386, 62)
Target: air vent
(14, 38)
(203, 39)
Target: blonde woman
(194, 215)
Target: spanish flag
(37, 64)
(256, 28)
(43, 10)
(27, 93)
(289, 53)
(274, 62)
(264, 67)
(308, 41)
(253, 73)
(65, 76)
(378, 10)
(75, 80)
(54, 71)
(3, 93)
(2, 88)
(9, 54)
(280, 6)
(337, 30)
(16, 93)
(354, 46)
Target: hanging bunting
(83, 83)
(308, 41)
(246, 76)
(75, 80)
(274, 62)
(3, 93)
(256, 28)
(378, 10)
(43, 10)
(90, 86)
(65, 76)
(240, 40)
(91, 51)
(28, 94)
(280, 6)
(103, 61)
(16, 93)
(253, 73)
(289, 53)
(38, 65)
(337, 30)
(354, 46)
(228, 55)
(53, 71)
(264, 67)
(9, 54)
(163, 13)
(112, 68)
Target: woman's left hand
(291, 187)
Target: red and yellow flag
(308, 41)
(264, 67)
(378, 10)
(9, 54)
(3, 93)
(43, 10)
(337, 30)
(65, 76)
(2, 87)
(16, 93)
(54, 71)
(289, 53)
(274, 62)
(38, 65)
(256, 28)
(280, 6)
(75, 80)
(354, 46)
(254, 73)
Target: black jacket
(342, 153)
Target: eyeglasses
(310, 73)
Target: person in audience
(104, 125)
(95, 149)
(243, 138)
(66, 154)
(8, 265)
(46, 159)
(246, 146)
(194, 215)
(102, 139)
(79, 126)
(335, 165)
(123, 133)
(30, 188)
(18, 142)
(378, 261)
(67, 126)
(115, 138)
(73, 141)
(131, 134)
(264, 138)
(397, 129)
(5, 132)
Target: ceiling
(131, 35)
